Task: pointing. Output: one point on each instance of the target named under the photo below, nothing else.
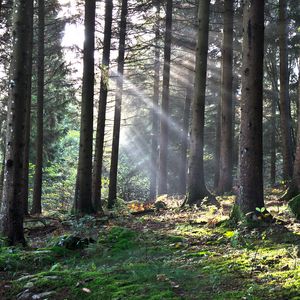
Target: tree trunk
(28, 116)
(294, 186)
(226, 138)
(83, 200)
(98, 159)
(196, 183)
(296, 174)
(38, 179)
(112, 195)
(217, 147)
(251, 150)
(285, 110)
(164, 126)
(184, 144)
(155, 129)
(273, 144)
(12, 205)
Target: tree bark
(226, 138)
(184, 144)
(285, 110)
(38, 179)
(294, 186)
(28, 114)
(98, 159)
(155, 103)
(83, 200)
(11, 215)
(164, 126)
(112, 194)
(273, 144)
(196, 183)
(296, 173)
(251, 150)
(217, 147)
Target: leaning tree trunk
(251, 150)
(155, 129)
(285, 110)
(196, 183)
(98, 159)
(112, 195)
(226, 138)
(164, 126)
(38, 179)
(83, 193)
(11, 215)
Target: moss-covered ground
(169, 254)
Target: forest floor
(170, 253)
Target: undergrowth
(150, 258)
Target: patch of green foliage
(191, 262)
(294, 205)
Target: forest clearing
(167, 253)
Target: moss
(294, 205)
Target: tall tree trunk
(164, 126)
(285, 110)
(28, 116)
(98, 159)
(251, 150)
(294, 186)
(273, 143)
(155, 103)
(38, 179)
(196, 183)
(184, 144)
(296, 173)
(83, 200)
(217, 147)
(226, 138)
(112, 195)
(11, 215)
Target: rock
(44, 295)
(51, 277)
(25, 295)
(29, 285)
(72, 242)
(26, 277)
(294, 205)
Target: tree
(112, 195)
(285, 110)
(83, 195)
(251, 151)
(98, 159)
(164, 125)
(29, 46)
(184, 143)
(226, 138)
(295, 185)
(37, 192)
(12, 203)
(196, 183)
(155, 103)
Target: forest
(150, 149)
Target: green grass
(186, 262)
